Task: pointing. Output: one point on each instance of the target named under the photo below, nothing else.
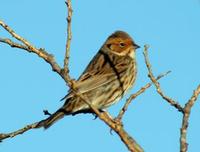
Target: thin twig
(133, 96)
(18, 132)
(49, 58)
(69, 35)
(24, 41)
(186, 115)
(157, 85)
(13, 44)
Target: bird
(106, 79)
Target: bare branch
(69, 35)
(49, 58)
(133, 96)
(186, 115)
(18, 132)
(24, 41)
(157, 85)
(13, 44)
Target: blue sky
(28, 85)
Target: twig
(13, 44)
(49, 58)
(186, 115)
(157, 85)
(69, 35)
(24, 41)
(133, 96)
(18, 132)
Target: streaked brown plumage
(108, 76)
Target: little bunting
(109, 75)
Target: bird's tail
(46, 123)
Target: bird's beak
(136, 46)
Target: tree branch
(186, 115)
(157, 85)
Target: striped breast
(125, 70)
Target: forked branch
(185, 119)
(156, 83)
(29, 47)
(184, 110)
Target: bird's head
(120, 43)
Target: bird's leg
(46, 112)
(95, 116)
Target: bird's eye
(121, 44)
(109, 45)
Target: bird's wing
(95, 81)
(99, 72)
(91, 83)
